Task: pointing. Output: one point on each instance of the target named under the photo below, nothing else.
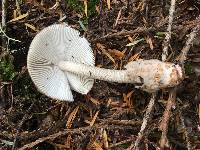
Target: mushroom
(50, 46)
(60, 60)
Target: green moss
(79, 7)
(160, 35)
(75, 5)
(124, 146)
(92, 7)
(7, 71)
(189, 69)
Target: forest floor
(112, 115)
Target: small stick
(122, 142)
(3, 22)
(3, 19)
(118, 16)
(183, 55)
(146, 119)
(122, 122)
(8, 38)
(18, 7)
(56, 5)
(168, 34)
(62, 133)
(189, 147)
(165, 119)
(124, 33)
(20, 125)
(171, 101)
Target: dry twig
(146, 119)
(122, 122)
(183, 55)
(3, 19)
(65, 132)
(124, 33)
(3, 27)
(123, 142)
(20, 125)
(3, 22)
(8, 38)
(189, 146)
(103, 125)
(171, 101)
(165, 119)
(168, 34)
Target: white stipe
(149, 75)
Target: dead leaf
(115, 66)
(130, 94)
(140, 5)
(130, 39)
(97, 9)
(97, 146)
(127, 99)
(19, 17)
(94, 101)
(100, 65)
(105, 139)
(109, 102)
(117, 53)
(82, 26)
(135, 42)
(72, 117)
(150, 42)
(85, 4)
(94, 118)
(68, 141)
(31, 27)
(108, 4)
(118, 17)
(134, 57)
(67, 144)
(199, 111)
(102, 48)
(15, 14)
(91, 123)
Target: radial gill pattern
(50, 46)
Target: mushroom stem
(119, 76)
(150, 75)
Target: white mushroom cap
(50, 46)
